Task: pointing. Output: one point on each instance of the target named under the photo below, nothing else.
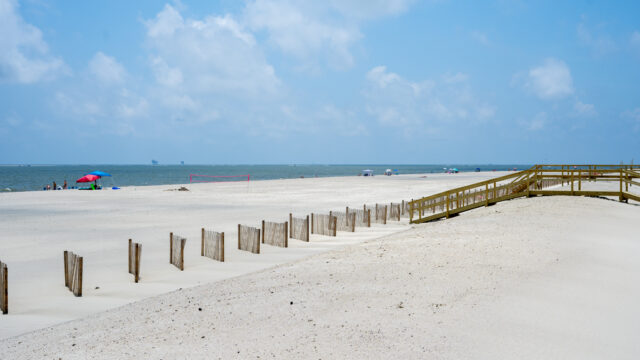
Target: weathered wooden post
(291, 227)
(580, 180)
(134, 259)
(4, 288)
(73, 272)
(621, 198)
(202, 242)
(312, 223)
(176, 250)
(486, 194)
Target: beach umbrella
(99, 173)
(88, 178)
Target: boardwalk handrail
(531, 182)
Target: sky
(324, 82)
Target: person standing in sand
(54, 186)
(64, 186)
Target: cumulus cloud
(600, 44)
(106, 69)
(427, 105)
(318, 32)
(24, 55)
(582, 109)
(213, 55)
(550, 80)
(296, 29)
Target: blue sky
(334, 81)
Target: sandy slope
(541, 278)
(38, 226)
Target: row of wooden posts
(249, 239)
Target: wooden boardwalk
(539, 180)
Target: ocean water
(35, 177)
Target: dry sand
(540, 278)
(38, 226)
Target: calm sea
(35, 177)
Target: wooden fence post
(386, 209)
(222, 247)
(290, 222)
(572, 183)
(4, 281)
(138, 255)
(579, 180)
(335, 225)
(182, 242)
(447, 206)
(312, 223)
(80, 267)
(411, 212)
(286, 233)
(369, 218)
(258, 241)
(238, 236)
(621, 198)
(66, 269)
(129, 258)
(170, 248)
(263, 231)
(202, 243)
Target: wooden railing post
(486, 194)
(410, 212)
(572, 183)
(447, 206)
(621, 198)
(580, 180)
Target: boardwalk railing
(532, 182)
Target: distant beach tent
(99, 173)
(388, 172)
(88, 178)
(367, 172)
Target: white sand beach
(550, 278)
(39, 226)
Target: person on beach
(64, 186)
(54, 186)
(48, 187)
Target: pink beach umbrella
(88, 178)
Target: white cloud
(164, 74)
(296, 29)
(422, 106)
(551, 80)
(368, 9)
(582, 109)
(600, 44)
(318, 32)
(24, 55)
(106, 69)
(213, 55)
